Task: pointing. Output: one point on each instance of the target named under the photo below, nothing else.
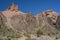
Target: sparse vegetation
(3, 38)
(39, 32)
(49, 34)
(27, 35)
(15, 36)
(30, 39)
(4, 31)
(58, 36)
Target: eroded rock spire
(13, 7)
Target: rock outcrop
(53, 15)
(13, 7)
(3, 19)
(47, 21)
(58, 23)
(23, 22)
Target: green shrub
(39, 32)
(2, 39)
(15, 35)
(27, 35)
(58, 36)
(5, 31)
(49, 34)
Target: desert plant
(49, 34)
(3, 38)
(57, 36)
(27, 35)
(30, 39)
(39, 32)
(17, 35)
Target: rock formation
(58, 23)
(23, 22)
(3, 19)
(47, 21)
(13, 7)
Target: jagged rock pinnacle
(13, 7)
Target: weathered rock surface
(46, 38)
(47, 21)
(23, 22)
(58, 22)
(42, 37)
(13, 7)
(3, 19)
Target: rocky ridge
(47, 21)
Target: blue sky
(34, 6)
